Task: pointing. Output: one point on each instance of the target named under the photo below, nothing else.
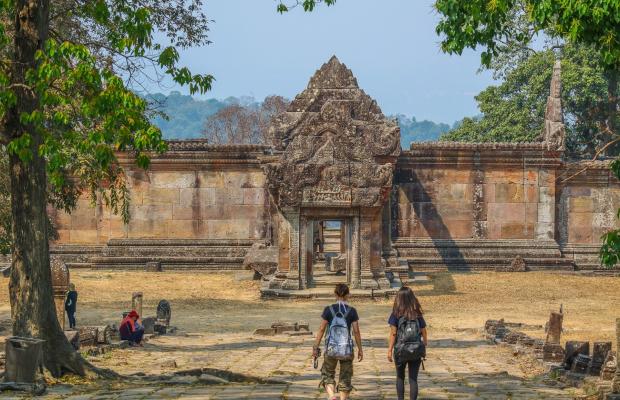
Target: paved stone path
(460, 366)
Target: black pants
(414, 368)
(71, 315)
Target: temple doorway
(329, 262)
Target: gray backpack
(338, 343)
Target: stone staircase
(205, 254)
(477, 254)
(331, 240)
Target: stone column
(305, 251)
(354, 255)
(545, 224)
(293, 276)
(552, 351)
(136, 302)
(60, 286)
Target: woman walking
(339, 319)
(408, 340)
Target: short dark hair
(341, 290)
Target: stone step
(465, 264)
(169, 262)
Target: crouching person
(339, 319)
(131, 330)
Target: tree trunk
(32, 304)
(613, 77)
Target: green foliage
(514, 110)
(85, 111)
(468, 24)
(308, 5)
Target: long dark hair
(406, 304)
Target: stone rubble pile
(598, 372)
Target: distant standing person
(71, 305)
(338, 319)
(131, 330)
(408, 341)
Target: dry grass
(212, 302)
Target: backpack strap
(331, 308)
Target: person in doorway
(408, 340)
(131, 330)
(339, 320)
(71, 305)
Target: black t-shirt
(351, 316)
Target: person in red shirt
(130, 329)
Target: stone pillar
(387, 251)
(305, 251)
(136, 302)
(354, 254)
(60, 286)
(545, 223)
(292, 281)
(552, 351)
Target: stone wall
(213, 195)
(453, 205)
(201, 200)
(587, 203)
(476, 205)
(484, 191)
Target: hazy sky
(390, 46)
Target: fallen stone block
(149, 325)
(580, 364)
(88, 335)
(262, 259)
(573, 349)
(599, 353)
(153, 266)
(265, 331)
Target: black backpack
(409, 346)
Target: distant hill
(187, 116)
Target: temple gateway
(336, 199)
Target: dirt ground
(207, 302)
(216, 314)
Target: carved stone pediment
(338, 149)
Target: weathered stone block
(161, 196)
(509, 193)
(153, 266)
(254, 196)
(263, 260)
(581, 204)
(173, 180)
(196, 197)
(83, 236)
(265, 331)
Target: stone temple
(337, 199)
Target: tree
(237, 124)
(514, 110)
(64, 113)
(5, 205)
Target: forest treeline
(188, 117)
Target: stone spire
(333, 75)
(554, 133)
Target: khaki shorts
(328, 373)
